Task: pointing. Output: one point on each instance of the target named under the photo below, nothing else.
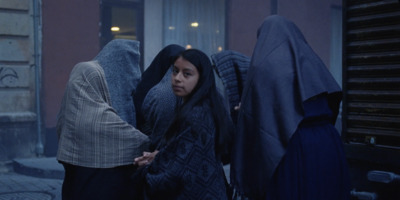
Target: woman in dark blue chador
(187, 162)
(154, 98)
(287, 146)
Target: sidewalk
(31, 179)
(35, 179)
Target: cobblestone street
(18, 186)
(15, 186)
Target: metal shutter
(371, 73)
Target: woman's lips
(177, 88)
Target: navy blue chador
(287, 88)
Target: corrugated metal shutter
(371, 70)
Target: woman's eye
(187, 74)
(175, 71)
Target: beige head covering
(91, 133)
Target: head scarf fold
(231, 67)
(284, 73)
(153, 75)
(158, 110)
(120, 62)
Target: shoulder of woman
(201, 119)
(89, 68)
(200, 113)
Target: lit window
(196, 24)
(115, 28)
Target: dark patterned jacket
(187, 167)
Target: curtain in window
(179, 25)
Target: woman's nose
(178, 77)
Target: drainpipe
(37, 57)
(274, 7)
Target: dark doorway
(122, 19)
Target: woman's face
(184, 77)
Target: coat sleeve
(165, 174)
(182, 163)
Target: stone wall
(18, 134)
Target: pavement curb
(39, 167)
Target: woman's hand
(145, 159)
(237, 107)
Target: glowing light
(188, 46)
(194, 24)
(219, 48)
(115, 28)
(171, 27)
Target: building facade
(19, 79)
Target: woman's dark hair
(205, 90)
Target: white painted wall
(152, 30)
